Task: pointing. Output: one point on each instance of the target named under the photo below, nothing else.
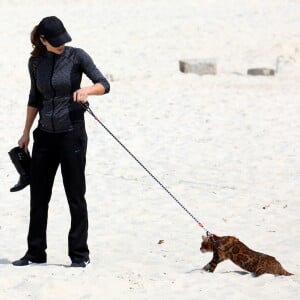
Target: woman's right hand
(30, 116)
(24, 142)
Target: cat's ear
(204, 238)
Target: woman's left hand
(81, 95)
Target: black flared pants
(49, 150)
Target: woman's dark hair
(38, 47)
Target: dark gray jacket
(54, 79)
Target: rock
(200, 67)
(261, 71)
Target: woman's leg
(73, 159)
(45, 161)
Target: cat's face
(206, 245)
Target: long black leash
(88, 109)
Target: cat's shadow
(227, 272)
(237, 272)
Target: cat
(229, 247)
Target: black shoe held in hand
(21, 161)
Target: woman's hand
(81, 95)
(24, 142)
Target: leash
(89, 110)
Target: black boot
(21, 161)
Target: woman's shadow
(4, 261)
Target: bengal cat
(229, 247)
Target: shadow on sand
(201, 270)
(4, 261)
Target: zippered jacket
(54, 79)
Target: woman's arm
(30, 117)
(100, 84)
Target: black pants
(49, 150)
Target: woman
(60, 138)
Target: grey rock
(261, 72)
(200, 67)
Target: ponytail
(37, 45)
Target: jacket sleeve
(91, 71)
(34, 95)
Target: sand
(227, 146)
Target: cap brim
(60, 39)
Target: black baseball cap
(53, 30)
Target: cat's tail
(284, 272)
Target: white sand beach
(226, 145)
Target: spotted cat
(229, 247)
